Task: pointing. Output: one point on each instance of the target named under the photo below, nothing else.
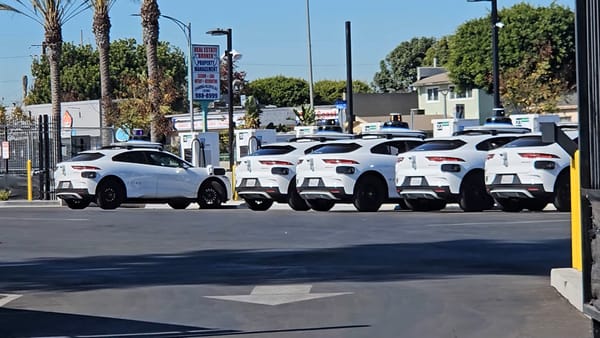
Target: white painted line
(278, 294)
(45, 219)
(6, 298)
(497, 222)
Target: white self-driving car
(268, 174)
(138, 173)
(528, 174)
(450, 169)
(358, 171)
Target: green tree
(531, 87)
(306, 115)
(280, 91)
(52, 15)
(526, 31)
(150, 14)
(252, 115)
(101, 27)
(80, 71)
(399, 69)
(438, 54)
(328, 91)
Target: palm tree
(150, 14)
(52, 15)
(101, 27)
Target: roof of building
(437, 79)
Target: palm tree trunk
(54, 50)
(150, 14)
(102, 33)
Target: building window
(432, 94)
(459, 111)
(455, 93)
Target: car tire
(424, 204)
(535, 204)
(368, 194)
(258, 204)
(510, 204)
(320, 204)
(295, 201)
(473, 196)
(110, 193)
(78, 204)
(210, 195)
(562, 190)
(178, 204)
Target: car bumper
(426, 192)
(524, 191)
(272, 193)
(77, 194)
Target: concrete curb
(34, 203)
(568, 282)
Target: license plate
(313, 182)
(416, 181)
(65, 185)
(506, 179)
(251, 182)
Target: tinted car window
(86, 157)
(164, 160)
(493, 143)
(131, 157)
(394, 147)
(272, 150)
(439, 145)
(335, 148)
(526, 141)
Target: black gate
(588, 85)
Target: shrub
(4, 195)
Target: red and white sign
(205, 72)
(5, 150)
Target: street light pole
(498, 111)
(229, 54)
(445, 93)
(187, 30)
(310, 66)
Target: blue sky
(271, 35)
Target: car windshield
(440, 145)
(526, 141)
(335, 148)
(273, 150)
(83, 157)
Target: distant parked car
(138, 172)
(268, 174)
(450, 169)
(528, 174)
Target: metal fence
(36, 141)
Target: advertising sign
(205, 73)
(5, 150)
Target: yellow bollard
(235, 195)
(576, 254)
(29, 185)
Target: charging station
(248, 140)
(201, 149)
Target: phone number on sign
(206, 96)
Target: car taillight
(444, 159)
(275, 162)
(399, 159)
(537, 155)
(339, 161)
(490, 156)
(84, 167)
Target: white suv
(450, 169)
(528, 174)
(359, 171)
(138, 172)
(268, 174)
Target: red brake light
(275, 162)
(444, 159)
(490, 156)
(537, 155)
(338, 161)
(84, 167)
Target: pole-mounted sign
(206, 77)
